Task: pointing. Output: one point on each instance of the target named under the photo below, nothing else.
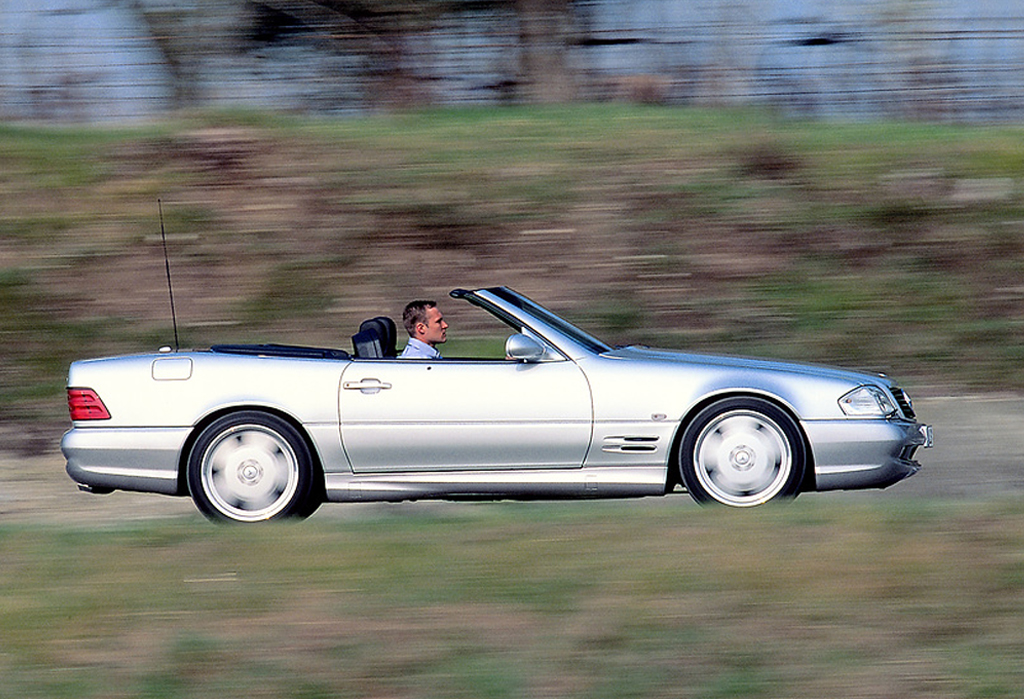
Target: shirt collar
(425, 349)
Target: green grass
(612, 599)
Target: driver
(426, 327)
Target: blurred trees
(379, 30)
(383, 28)
(545, 27)
(382, 33)
(91, 59)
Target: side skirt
(498, 485)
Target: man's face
(435, 330)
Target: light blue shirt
(417, 349)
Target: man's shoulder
(416, 349)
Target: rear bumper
(101, 459)
(852, 454)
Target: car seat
(376, 339)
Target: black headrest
(376, 338)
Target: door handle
(368, 386)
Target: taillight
(85, 404)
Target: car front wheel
(742, 452)
(251, 466)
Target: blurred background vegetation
(886, 246)
(797, 180)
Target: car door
(425, 415)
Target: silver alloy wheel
(742, 458)
(249, 473)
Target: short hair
(415, 313)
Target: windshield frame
(517, 309)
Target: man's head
(423, 320)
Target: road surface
(978, 453)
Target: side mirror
(524, 349)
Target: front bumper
(851, 454)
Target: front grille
(903, 401)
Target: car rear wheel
(251, 466)
(742, 452)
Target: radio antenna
(167, 267)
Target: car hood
(637, 352)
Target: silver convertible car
(258, 432)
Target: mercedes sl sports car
(258, 432)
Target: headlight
(867, 401)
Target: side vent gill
(630, 444)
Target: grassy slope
(818, 599)
(886, 246)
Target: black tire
(742, 452)
(252, 466)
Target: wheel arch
(808, 484)
(197, 429)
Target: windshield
(586, 340)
